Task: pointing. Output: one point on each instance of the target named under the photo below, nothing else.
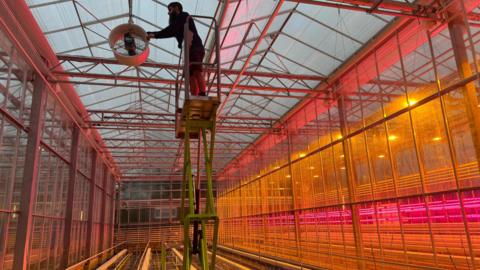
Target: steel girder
(93, 61)
(112, 77)
(384, 7)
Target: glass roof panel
(302, 40)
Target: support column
(351, 186)
(102, 208)
(91, 200)
(67, 234)
(118, 209)
(30, 174)
(457, 29)
(294, 195)
(112, 210)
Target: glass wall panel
(463, 135)
(404, 156)
(434, 153)
(383, 185)
(360, 168)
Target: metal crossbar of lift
(194, 119)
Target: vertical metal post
(112, 210)
(211, 209)
(217, 57)
(163, 257)
(91, 201)
(53, 230)
(457, 28)
(294, 200)
(208, 167)
(30, 176)
(50, 167)
(70, 197)
(187, 187)
(241, 213)
(351, 185)
(322, 182)
(371, 171)
(186, 57)
(101, 244)
(203, 255)
(421, 166)
(119, 210)
(395, 176)
(195, 243)
(453, 157)
(322, 173)
(337, 184)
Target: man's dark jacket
(175, 29)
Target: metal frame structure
(126, 116)
(266, 87)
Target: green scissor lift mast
(196, 120)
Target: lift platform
(198, 111)
(195, 119)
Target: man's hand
(150, 35)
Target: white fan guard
(116, 43)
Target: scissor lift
(195, 118)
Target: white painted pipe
(146, 260)
(264, 259)
(112, 260)
(180, 256)
(231, 263)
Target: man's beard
(172, 18)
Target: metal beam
(173, 82)
(134, 148)
(175, 68)
(89, 23)
(148, 119)
(145, 86)
(394, 5)
(386, 7)
(250, 56)
(106, 139)
(125, 125)
(30, 177)
(48, 3)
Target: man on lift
(177, 19)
